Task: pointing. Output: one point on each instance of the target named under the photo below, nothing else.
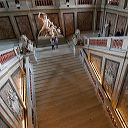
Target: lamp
(67, 3)
(17, 4)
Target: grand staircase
(65, 97)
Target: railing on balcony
(111, 43)
(2, 4)
(83, 2)
(113, 2)
(43, 2)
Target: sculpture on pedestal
(48, 28)
(25, 45)
(77, 40)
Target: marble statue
(25, 45)
(48, 28)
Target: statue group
(25, 45)
(48, 28)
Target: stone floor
(65, 97)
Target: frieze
(10, 98)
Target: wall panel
(110, 17)
(6, 29)
(85, 20)
(24, 26)
(69, 23)
(97, 61)
(110, 74)
(121, 23)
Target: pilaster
(15, 27)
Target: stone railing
(83, 2)
(113, 2)
(98, 42)
(111, 43)
(106, 59)
(2, 4)
(6, 56)
(43, 2)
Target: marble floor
(65, 97)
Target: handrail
(111, 43)
(7, 55)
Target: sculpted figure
(46, 23)
(48, 28)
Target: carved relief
(10, 98)
(110, 74)
(6, 29)
(110, 17)
(85, 20)
(24, 26)
(69, 23)
(97, 61)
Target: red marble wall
(112, 18)
(54, 17)
(121, 23)
(69, 23)
(117, 43)
(24, 26)
(85, 20)
(6, 29)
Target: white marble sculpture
(48, 28)
(25, 45)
